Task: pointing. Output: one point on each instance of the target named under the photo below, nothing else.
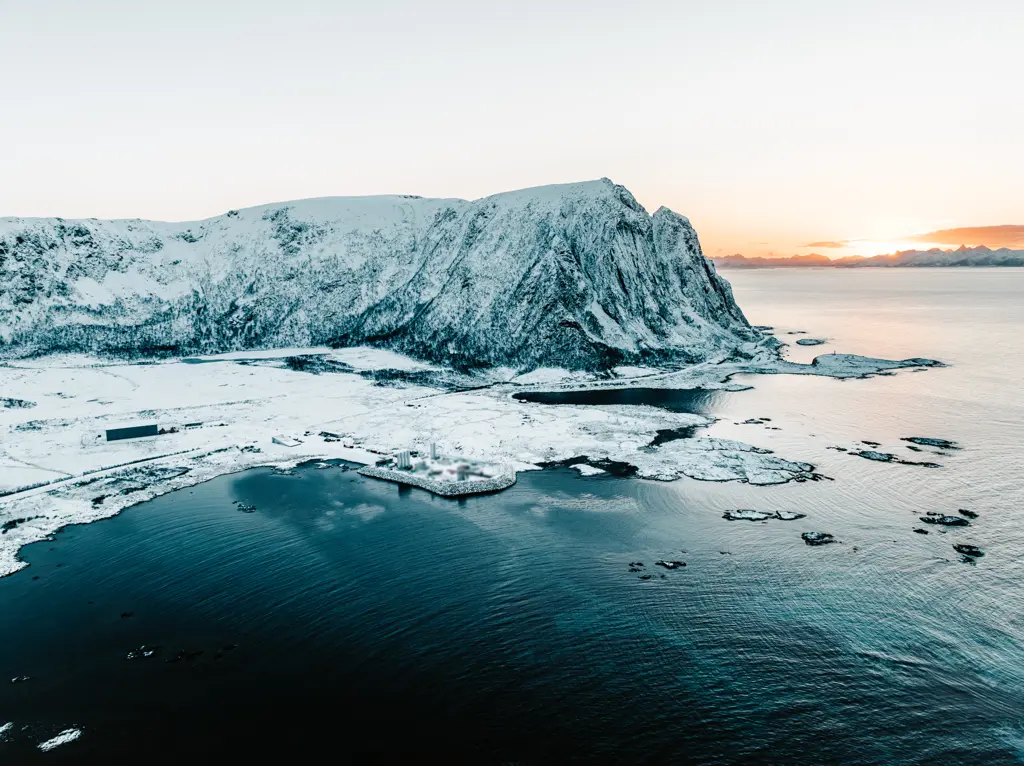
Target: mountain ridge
(962, 256)
(572, 275)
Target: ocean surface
(348, 618)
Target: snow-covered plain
(56, 469)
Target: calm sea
(346, 618)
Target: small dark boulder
(968, 550)
(933, 517)
(880, 457)
(921, 531)
(818, 538)
(927, 441)
(967, 513)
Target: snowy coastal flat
(230, 412)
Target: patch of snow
(543, 375)
(589, 470)
(635, 372)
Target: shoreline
(240, 407)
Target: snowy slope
(574, 276)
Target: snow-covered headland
(412, 321)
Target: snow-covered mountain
(575, 275)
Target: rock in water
(927, 441)
(747, 514)
(967, 513)
(810, 342)
(577, 275)
(880, 457)
(968, 550)
(934, 517)
(818, 538)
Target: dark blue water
(377, 622)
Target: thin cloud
(991, 236)
(825, 244)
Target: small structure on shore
(447, 476)
(132, 432)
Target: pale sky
(772, 125)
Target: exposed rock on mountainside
(577, 276)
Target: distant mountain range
(963, 256)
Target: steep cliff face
(577, 275)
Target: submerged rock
(789, 515)
(20, 679)
(65, 737)
(927, 441)
(670, 564)
(934, 517)
(886, 457)
(818, 538)
(810, 342)
(143, 652)
(967, 513)
(968, 550)
(246, 508)
(881, 457)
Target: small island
(448, 476)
